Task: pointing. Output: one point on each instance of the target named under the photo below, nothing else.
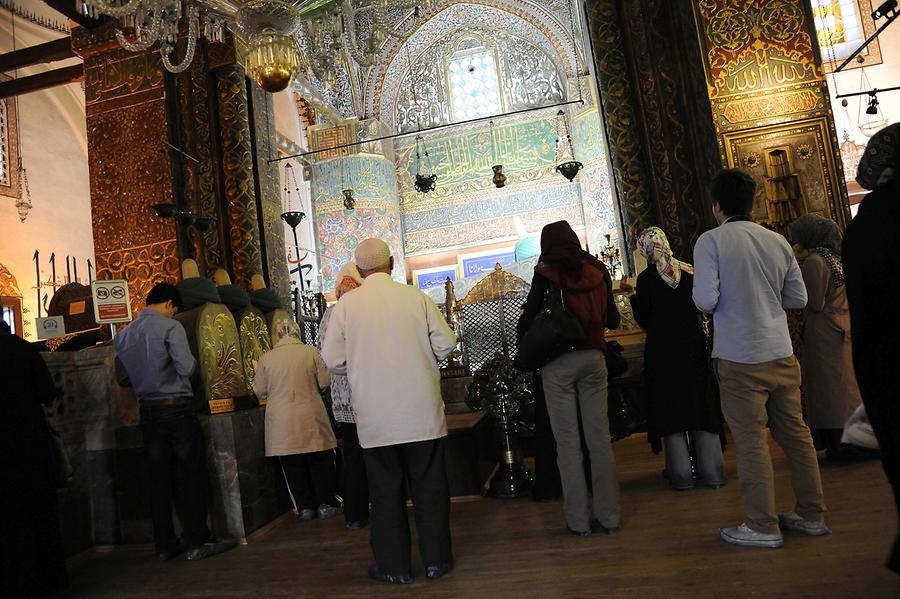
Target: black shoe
(596, 527)
(208, 549)
(171, 553)
(376, 574)
(356, 525)
(435, 572)
(579, 533)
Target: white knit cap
(372, 253)
(349, 270)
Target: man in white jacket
(389, 338)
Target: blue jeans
(708, 451)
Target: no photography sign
(111, 301)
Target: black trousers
(879, 387)
(423, 466)
(354, 483)
(311, 478)
(176, 466)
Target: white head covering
(287, 328)
(654, 247)
(372, 253)
(349, 270)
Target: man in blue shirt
(746, 276)
(153, 357)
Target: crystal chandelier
(356, 30)
(153, 21)
(273, 31)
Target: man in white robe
(389, 338)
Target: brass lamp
(273, 60)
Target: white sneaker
(746, 536)
(793, 521)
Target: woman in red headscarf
(577, 380)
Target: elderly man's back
(393, 337)
(389, 338)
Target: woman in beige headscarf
(298, 432)
(354, 483)
(682, 405)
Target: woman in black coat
(682, 405)
(32, 561)
(872, 274)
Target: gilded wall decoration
(816, 176)
(142, 266)
(128, 174)
(621, 112)
(238, 179)
(760, 62)
(269, 200)
(205, 172)
(9, 287)
(762, 72)
(661, 142)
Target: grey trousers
(708, 450)
(577, 380)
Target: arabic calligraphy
(771, 105)
(121, 74)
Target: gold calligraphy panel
(760, 62)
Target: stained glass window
(839, 28)
(474, 84)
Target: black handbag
(616, 365)
(553, 332)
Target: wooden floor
(669, 548)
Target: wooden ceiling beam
(33, 83)
(52, 51)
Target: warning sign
(51, 327)
(111, 301)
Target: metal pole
(865, 44)
(37, 279)
(297, 249)
(871, 92)
(418, 131)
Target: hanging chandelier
(355, 30)
(282, 37)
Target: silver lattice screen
(490, 328)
